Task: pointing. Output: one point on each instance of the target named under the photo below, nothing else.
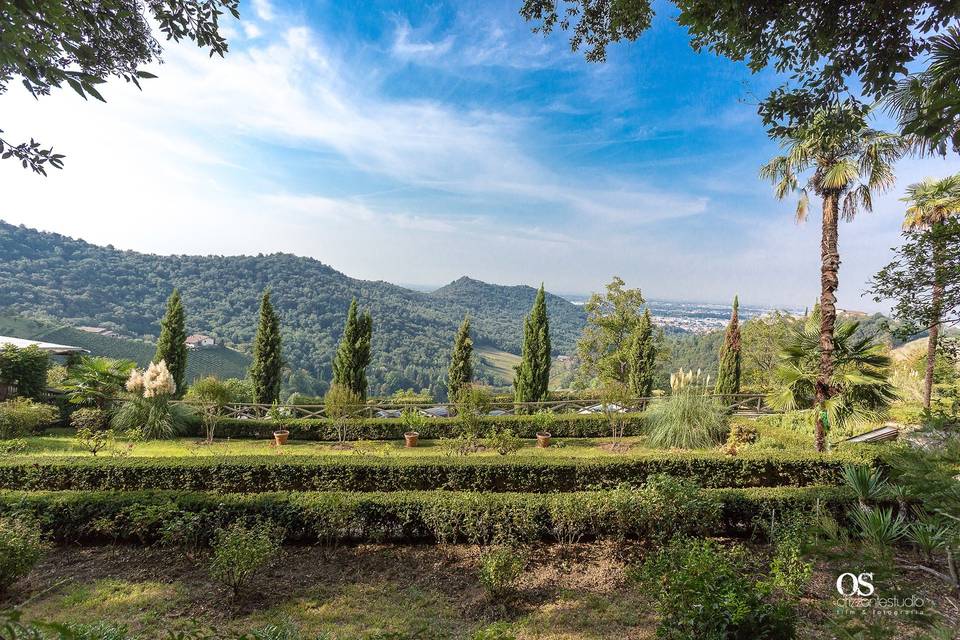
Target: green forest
(50, 276)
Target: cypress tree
(642, 357)
(267, 358)
(532, 380)
(172, 344)
(353, 354)
(728, 374)
(460, 373)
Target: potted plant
(412, 419)
(280, 437)
(542, 420)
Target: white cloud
(263, 9)
(407, 49)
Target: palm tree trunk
(936, 309)
(829, 280)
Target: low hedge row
(562, 425)
(664, 509)
(255, 474)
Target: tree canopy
(353, 355)
(823, 46)
(532, 380)
(267, 358)
(172, 343)
(46, 43)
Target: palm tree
(932, 203)
(847, 162)
(97, 381)
(860, 388)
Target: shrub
(704, 591)
(21, 417)
(21, 547)
(253, 474)
(338, 403)
(155, 418)
(867, 483)
(26, 367)
(504, 442)
(444, 516)
(239, 551)
(212, 395)
(879, 528)
(89, 418)
(687, 419)
(499, 570)
(94, 441)
(742, 434)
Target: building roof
(197, 337)
(49, 347)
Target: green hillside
(219, 361)
(76, 283)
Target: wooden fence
(748, 404)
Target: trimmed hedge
(562, 425)
(255, 474)
(664, 509)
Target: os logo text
(849, 584)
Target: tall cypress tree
(728, 374)
(460, 373)
(532, 380)
(172, 344)
(642, 357)
(353, 355)
(267, 357)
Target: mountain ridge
(45, 274)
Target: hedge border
(318, 517)
(562, 425)
(517, 473)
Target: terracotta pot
(281, 437)
(410, 438)
(543, 440)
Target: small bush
(12, 447)
(21, 547)
(156, 418)
(89, 418)
(687, 419)
(93, 441)
(742, 434)
(21, 417)
(504, 442)
(239, 551)
(499, 570)
(704, 590)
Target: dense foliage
(444, 516)
(730, 367)
(519, 472)
(532, 380)
(27, 368)
(172, 343)
(22, 416)
(267, 362)
(126, 292)
(460, 371)
(353, 355)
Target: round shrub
(239, 551)
(499, 570)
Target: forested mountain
(50, 275)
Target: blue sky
(416, 143)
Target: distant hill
(72, 282)
(487, 303)
(219, 361)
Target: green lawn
(60, 442)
